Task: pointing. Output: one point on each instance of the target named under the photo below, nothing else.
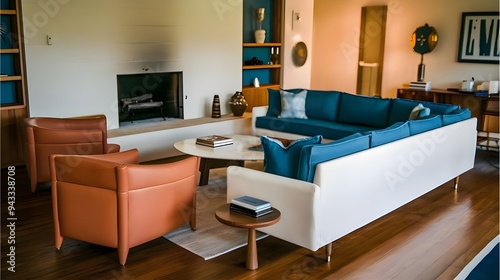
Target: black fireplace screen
(150, 95)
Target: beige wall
(336, 40)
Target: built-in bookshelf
(269, 73)
(13, 93)
(12, 55)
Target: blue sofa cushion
(423, 125)
(364, 110)
(401, 109)
(293, 105)
(394, 132)
(312, 155)
(310, 127)
(281, 160)
(322, 105)
(460, 115)
(440, 108)
(274, 101)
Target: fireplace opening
(149, 97)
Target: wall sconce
(296, 17)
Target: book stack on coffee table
(214, 141)
(250, 206)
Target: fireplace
(149, 96)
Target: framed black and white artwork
(479, 38)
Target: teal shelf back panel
(5, 36)
(4, 5)
(264, 76)
(261, 54)
(8, 93)
(7, 64)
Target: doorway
(371, 50)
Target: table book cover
(214, 141)
(251, 203)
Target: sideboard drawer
(415, 94)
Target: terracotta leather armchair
(112, 201)
(47, 136)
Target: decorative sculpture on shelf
(216, 107)
(238, 104)
(423, 41)
(260, 34)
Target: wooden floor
(433, 237)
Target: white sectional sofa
(351, 191)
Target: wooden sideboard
(472, 101)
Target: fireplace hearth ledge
(132, 130)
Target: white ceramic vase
(260, 36)
(256, 82)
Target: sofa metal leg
(328, 251)
(456, 182)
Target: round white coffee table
(234, 154)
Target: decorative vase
(256, 82)
(216, 107)
(238, 104)
(260, 36)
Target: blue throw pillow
(293, 105)
(312, 155)
(281, 160)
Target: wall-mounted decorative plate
(299, 54)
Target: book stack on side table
(214, 141)
(426, 86)
(250, 206)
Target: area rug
(211, 238)
(483, 266)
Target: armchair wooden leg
(328, 251)
(33, 184)
(192, 221)
(456, 182)
(58, 241)
(122, 255)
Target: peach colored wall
(336, 39)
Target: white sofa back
(352, 191)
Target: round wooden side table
(230, 218)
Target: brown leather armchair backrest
(47, 136)
(112, 201)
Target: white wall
(160, 144)
(294, 32)
(94, 40)
(336, 41)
